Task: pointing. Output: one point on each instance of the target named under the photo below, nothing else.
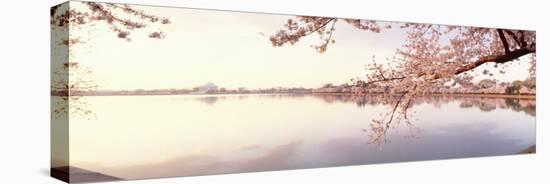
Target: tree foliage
(121, 18)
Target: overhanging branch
(504, 41)
(512, 55)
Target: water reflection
(210, 100)
(214, 134)
(276, 158)
(213, 99)
(486, 104)
(378, 129)
(528, 107)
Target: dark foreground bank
(72, 174)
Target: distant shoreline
(187, 94)
(521, 96)
(529, 96)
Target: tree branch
(504, 41)
(496, 59)
(331, 31)
(487, 59)
(386, 79)
(320, 27)
(514, 37)
(522, 39)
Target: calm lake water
(161, 136)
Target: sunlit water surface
(161, 136)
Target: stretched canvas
(149, 92)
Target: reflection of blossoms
(515, 104)
(71, 105)
(66, 83)
(378, 129)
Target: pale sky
(226, 48)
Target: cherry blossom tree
(431, 57)
(68, 75)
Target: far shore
(526, 96)
(520, 96)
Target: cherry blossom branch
(105, 12)
(331, 31)
(514, 36)
(512, 55)
(385, 80)
(522, 39)
(504, 41)
(321, 27)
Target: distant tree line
(485, 86)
